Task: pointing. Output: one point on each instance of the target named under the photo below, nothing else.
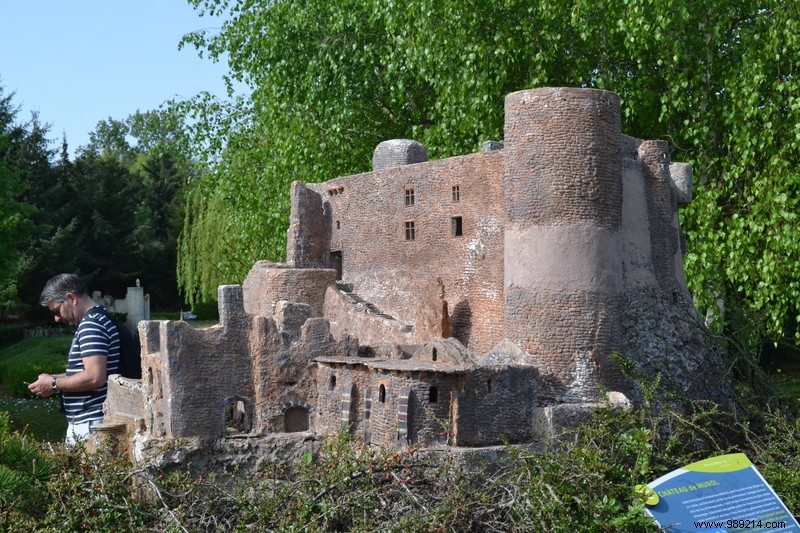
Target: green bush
(24, 361)
(94, 492)
(25, 469)
(119, 318)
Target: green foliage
(18, 144)
(780, 443)
(25, 470)
(93, 492)
(24, 361)
(165, 316)
(328, 81)
(113, 215)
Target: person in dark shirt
(94, 355)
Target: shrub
(93, 492)
(25, 468)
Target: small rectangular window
(456, 193)
(410, 232)
(409, 196)
(455, 226)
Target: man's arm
(94, 375)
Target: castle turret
(563, 262)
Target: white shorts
(81, 430)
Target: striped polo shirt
(96, 336)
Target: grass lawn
(37, 417)
(23, 362)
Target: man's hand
(43, 386)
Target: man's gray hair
(57, 287)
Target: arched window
(332, 382)
(236, 415)
(382, 394)
(433, 395)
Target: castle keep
(471, 301)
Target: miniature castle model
(472, 301)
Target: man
(93, 356)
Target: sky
(77, 62)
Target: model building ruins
(469, 301)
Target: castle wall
(662, 207)
(428, 422)
(334, 386)
(415, 406)
(286, 378)
(308, 234)
(494, 406)
(367, 215)
(188, 374)
(637, 250)
(369, 328)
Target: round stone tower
(563, 260)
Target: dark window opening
(332, 383)
(433, 354)
(409, 196)
(410, 231)
(296, 419)
(489, 385)
(335, 259)
(456, 226)
(456, 193)
(433, 395)
(338, 225)
(382, 394)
